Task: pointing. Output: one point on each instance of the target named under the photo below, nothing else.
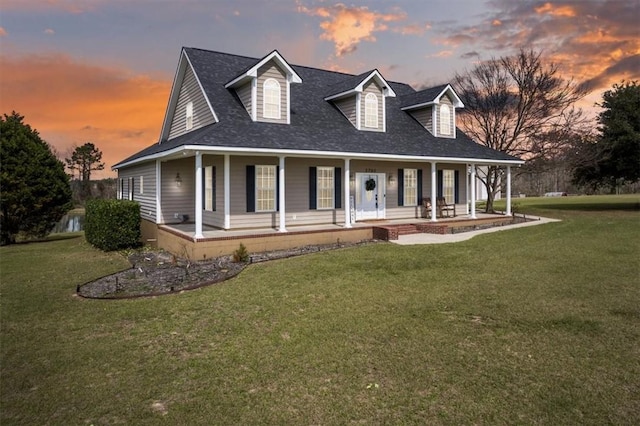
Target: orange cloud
(70, 103)
(550, 9)
(3, 32)
(346, 26)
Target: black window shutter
(251, 188)
(439, 184)
(419, 187)
(313, 182)
(277, 188)
(400, 187)
(456, 189)
(337, 180)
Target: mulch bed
(156, 273)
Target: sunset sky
(101, 70)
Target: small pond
(70, 222)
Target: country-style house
(279, 154)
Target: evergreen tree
(615, 157)
(85, 159)
(34, 188)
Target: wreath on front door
(370, 184)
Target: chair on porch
(442, 207)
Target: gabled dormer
(361, 99)
(264, 89)
(435, 109)
(188, 109)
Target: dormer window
(271, 97)
(189, 116)
(371, 110)
(445, 120)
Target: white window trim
(130, 188)
(275, 185)
(207, 204)
(408, 188)
(141, 185)
(449, 191)
(189, 116)
(445, 124)
(369, 116)
(331, 188)
(278, 114)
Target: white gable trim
(457, 103)
(175, 94)
(252, 72)
(386, 89)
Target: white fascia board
(416, 106)
(265, 152)
(215, 116)
(173, 97)
(252, 72)
(342, 95)
(375, 74)
(457, 102)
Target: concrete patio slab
(414, 239)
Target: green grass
(533, 325)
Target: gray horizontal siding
(244, 93)
(271, 70)
(190, 92)
(147, 199)
(348, 107)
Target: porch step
(392, 232)
(407, 229)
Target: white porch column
(467, 198)
(198, 195)
(434, 191)
(473, 191)
(508, 190)
(347, 197)
(282, 227)
(227, 192)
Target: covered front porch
(218, 192)
(181, 238)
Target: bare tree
(520, 106)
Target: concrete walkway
(413, 239)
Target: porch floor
(211, 233)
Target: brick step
(407, 229)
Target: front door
(370, 203)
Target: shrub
(112, 224)
(241, 254)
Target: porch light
(178, 179)
(391, 179)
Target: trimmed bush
(112, 224)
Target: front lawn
(531, 325)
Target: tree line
(516, 104)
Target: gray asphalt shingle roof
(316, 124)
